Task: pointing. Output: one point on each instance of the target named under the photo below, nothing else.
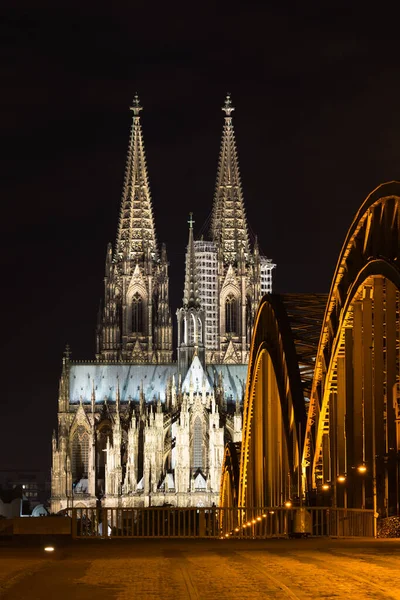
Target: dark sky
(317, 121)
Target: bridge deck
(204, 569)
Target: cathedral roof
(229, 223)
(136, 232)
(105, 377)
(196, 376)
(233, 376)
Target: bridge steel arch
(263, 470)
(273, 411)
(352, 442)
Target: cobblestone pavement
(276, 569)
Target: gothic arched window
(137, 314)
(80, 453)
(199, 331)
(197, 444)
(231, 314)
(192, 330)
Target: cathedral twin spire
(136, 319)
(229, 224)
(136, 235)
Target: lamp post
(374, 491)
(342, 480)
(362, 469)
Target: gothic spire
(191, 291)
(229, 224)
(136, 232)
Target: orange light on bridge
(362, 468)
(326, 487)
(341, 478)
(288, 504)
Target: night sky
(317, 124)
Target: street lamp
(342, 479)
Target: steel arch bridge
(321, 410)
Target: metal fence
(234, 523)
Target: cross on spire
(190, 221)
(136, 108)
(228, 107)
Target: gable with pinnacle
(230, 284)
(231, 355)
(137, 284)
(138, 354)
(196, 378)
(81, 420)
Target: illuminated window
(137, 314)
(231, 310)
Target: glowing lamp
(362, 469)
(341, 479)
(325, 487)
(49, 549)
(288, 504)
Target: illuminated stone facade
(134, 427)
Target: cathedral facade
(136, 428)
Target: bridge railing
(214, 522)
(264, 523)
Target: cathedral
(137, 426)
